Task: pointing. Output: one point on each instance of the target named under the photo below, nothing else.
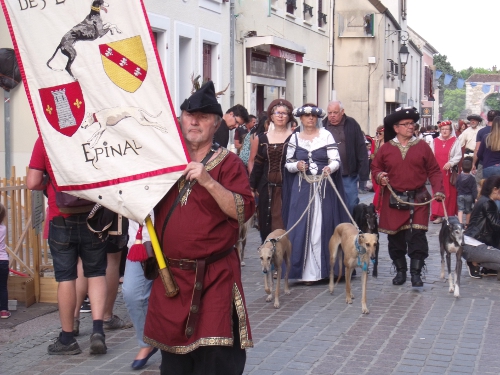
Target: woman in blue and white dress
(311, 153)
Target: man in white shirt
(468, 137)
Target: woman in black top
(482, 236)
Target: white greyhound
(112, 116)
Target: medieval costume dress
(198, 229)
(310, 254)
(446, 151)
(266, 178)
(408, 168)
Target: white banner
(99, 98)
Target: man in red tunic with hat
(204, 329)
(406, 162)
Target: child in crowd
(4, 267)
(466, 191)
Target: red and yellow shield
(125, 62)
(64, 107)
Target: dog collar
(360, 249)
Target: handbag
(150, 265)
(403, 196)
(454, 175)
(422, 195)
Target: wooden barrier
(28, 251)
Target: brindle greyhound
(90, 28)
(451, 240)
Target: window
(390, 108)
(207, 62)
(321, 15)
(291, 5)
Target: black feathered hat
(203, 100)
(401, 113)
(475, 117)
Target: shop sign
(285, 54)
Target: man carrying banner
(205, 327)
(69, 238)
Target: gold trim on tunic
(404, 149)
(404, 227)
(242, 318)
(237, 300)
(240, 208)
(209, 166)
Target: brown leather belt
(197, 265)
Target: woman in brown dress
(266, 176)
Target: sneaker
(85, 308)
(5, 314)
(76, 327)
(474, 271)
(97, 344)
(58, 348)
(488, 272)
(116, 323)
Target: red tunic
(442, 151)
(197, 229)
(408, 169)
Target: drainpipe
(8, 151)
(332, 50)
(231, 52)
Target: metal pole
(231, 53)
(8, 161)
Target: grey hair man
(352, 149)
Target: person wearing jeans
(136, 290)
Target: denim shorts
(72, 240)
(464, 203)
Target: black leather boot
(415, 270)
(401, 269)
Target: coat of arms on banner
(125, 62)
(64, 107)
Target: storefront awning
(278, 47)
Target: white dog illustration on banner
(112, 116)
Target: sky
(463, 30)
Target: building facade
(370, 79)
(282, 50)
(429, 94)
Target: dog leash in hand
(301, 216)
(343, 203)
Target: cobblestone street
(421, 331)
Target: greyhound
(112, 116)
(273, 253)
(366, 219)
(242, 240)
(90, 28)
(451, 240)
(358, 249)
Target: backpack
(69, 204)
(245, 149)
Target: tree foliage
(453, 99)
(492, 102)
(453, 103)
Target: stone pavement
(421, 331)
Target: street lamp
(403, 58)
